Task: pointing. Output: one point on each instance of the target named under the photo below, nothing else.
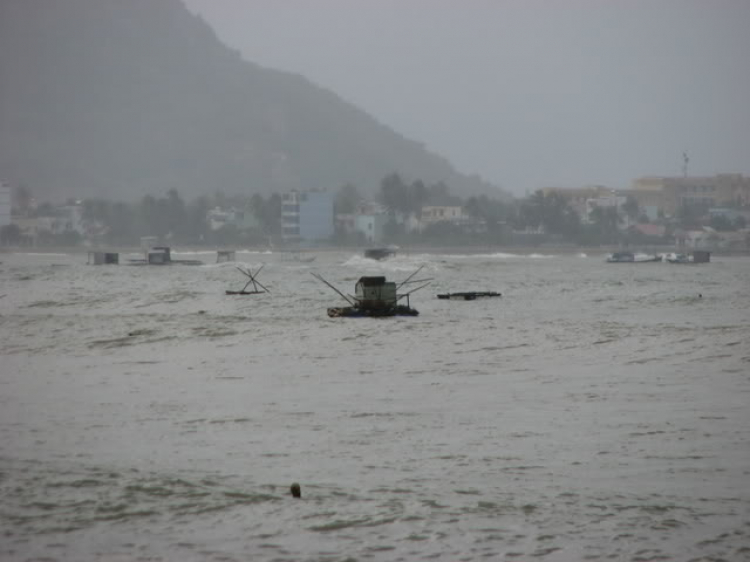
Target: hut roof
(371, 281)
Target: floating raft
(470, 295)
(257, 287)
(375, 298)
(358, 312)
(162, 255)
(244, 292)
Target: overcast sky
(525, 93)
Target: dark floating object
(356, 312)
(162, 255)
(225, 256)
(379, 253)
(253, 280)
(296, 490)
(375, 297)
(470, 295)
(698, 256)
(103, 258)
(701, 256)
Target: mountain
(119, 98)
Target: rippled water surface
(594, 412)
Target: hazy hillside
(119, 98)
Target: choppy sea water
(594, 412)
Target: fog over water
(596, 411)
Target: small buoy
(700, 295)
(296, 490)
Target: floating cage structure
(223, 256)
(375, 297)
(103, 258)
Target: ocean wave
(42, 254)
(496, 256)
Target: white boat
(630, 257)
(673, 257)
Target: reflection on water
(593, 412)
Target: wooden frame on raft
(253, 280)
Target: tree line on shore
(542, 217)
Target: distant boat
(696, 257)
(677, 258)
(379, 253)
(630, 257)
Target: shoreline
(560, 250)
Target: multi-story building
(672, 193)
(307, 216)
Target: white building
(705, 238)
(307, 216)
(371, 226)
(66, 218)
(452, 214)
(605, 202)
(433, 214)
(218, 218)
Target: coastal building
(66, 218)
(219, 218)
(370, 220)
(345, 223)
(452, 214)
(609, 201)
(307, 216)
(433, 214)
(670, 194)
(29, 230)
(372, 227)
(578, 197)
(698, 239)
(649, 202)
